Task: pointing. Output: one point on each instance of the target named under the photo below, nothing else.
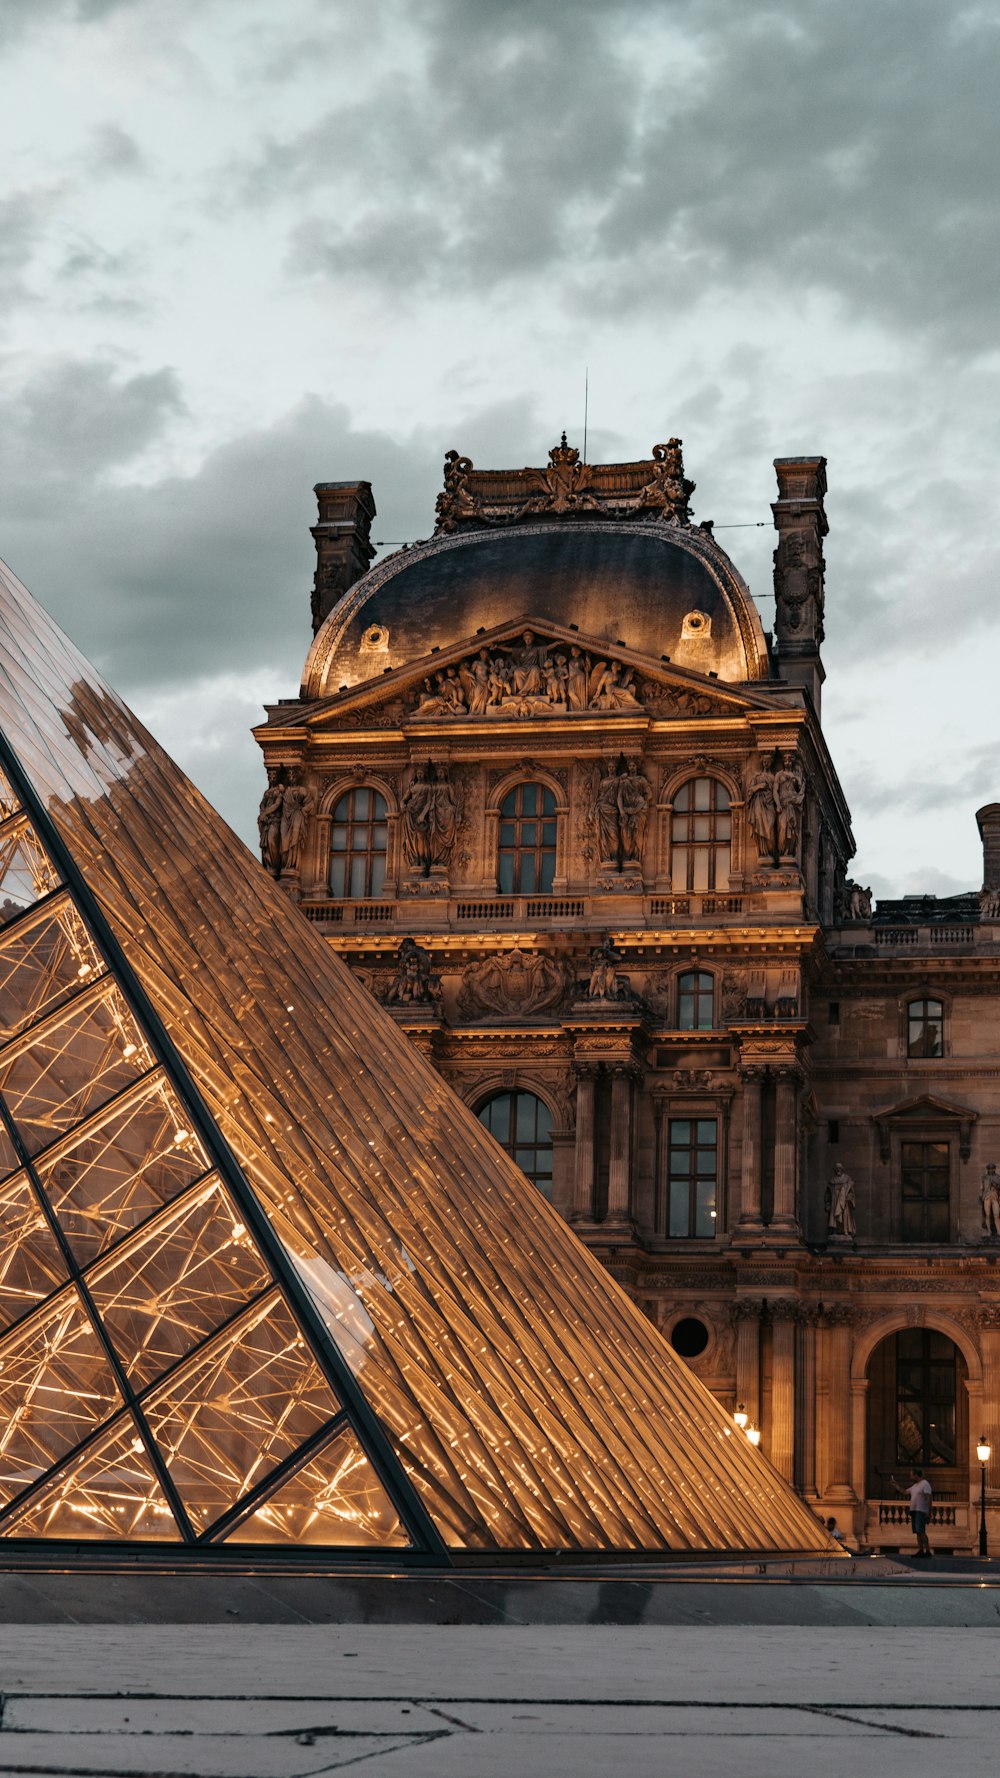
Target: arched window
(696, 1001)
(358, 839)
(701, 836)
(522, 1124)
(527, 854)
(925, 1028)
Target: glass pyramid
(264, 1280)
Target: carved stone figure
(297, 805)
(519, 982)
(620, 812)
(789, 795)
(457, 503)
(431, 810)
(762, 811)
(577, 680)
(734, 994)
(529, 678)
(564, 484)
(606, 818)
(857, 901)
(989, 904)
(269, 827)
(667, 495)
(989, 1200)
(840, 1204)
(414, 982)
(605, 983)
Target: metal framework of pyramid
(264, 1281)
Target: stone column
(782, 1441)
(785, 1150)
(840, 1320)
(805, 1397)
(753, 1081)
(620, 1167)
(583, 1162)
(746, 1315)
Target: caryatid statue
(430, 809)
(761, 811)
(841, 1203)
(789, 796)
(989, 1200)
(297, 806)
(269, 827)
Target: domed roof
(610, 558)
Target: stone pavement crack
(890, 1728)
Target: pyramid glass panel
(43, 960)
(230, 1416)
(111, 1491)
(485, 1384)
(335, 1499)
(26, 872)
(176, 1282)
(123, 1167)
(31, 1264)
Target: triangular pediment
(528, 667)
(926, 1111)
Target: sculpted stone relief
(563, 486)
(620, 800)
(281, 823)
(431, 813)
(413, 982)
(518, 982)
(529, 679)
(774, 797)
(840, 1204)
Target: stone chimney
(800, 521)
(988, 822)
(343, 547)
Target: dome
(655, 587)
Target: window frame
(512, 1144)
(688, 846)
(690, 1177)
(926, 1140)
(698, 994)
(926, 1021)
(544, 854)
(371, 854)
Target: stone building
(562, 804)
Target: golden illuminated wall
(262, 1277)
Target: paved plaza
(806, 1681)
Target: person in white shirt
(920, 1495)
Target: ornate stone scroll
(653, 488)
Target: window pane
(361, 805)
(702, 793)
(338, 867)
(506, 878)
(547, 872)
(522, 1124)
(705, 1212)
(71, 1065)
(679, 1210)
(335, 1499)
(706, 1131)
(529, 799)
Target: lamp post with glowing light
(753, 1434)
(741, 1417)
(983, 1453)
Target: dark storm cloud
(193, 575)
(645, 156)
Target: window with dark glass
(522, 1124)
(696, 1001)
(925, 1175)
(527, 863)
(925, 1399)
(701, 837)
(358, 839)
(925, 1028)
(692, 1176)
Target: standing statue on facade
(605, 983)
(857, 902)
(431, 811)
(297, 806)
(761, 812)
(841, 1204)
(269, 827)
(414, 982)
(989, 1201)
(789, 796)
(622, 802)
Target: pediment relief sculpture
(527, 678)
(514, 984)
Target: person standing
(921, 1495)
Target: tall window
(358, 841)
(527, 862)
(925, 1399)
(925, 1028)
(701, 837)
(925, 1175)
(696, 1001)
(692, 1176)
(522, 1124)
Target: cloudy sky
(248, 245)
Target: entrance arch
(968, 1404)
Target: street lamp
(983, 1453)
(753, 1434)
(741, 1417)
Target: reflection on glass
(335, 1499)
(110, 1491)
(170, 1286)
(26, 872)
(43, 960)
(239, 1409)
(56, 1386)
(125, 1166)
(31, 1265)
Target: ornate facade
(557, 799)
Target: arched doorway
(918, 1415)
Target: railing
(670, 907)
(513, 909)
(361, 913)
(951, 935)
(893, 1512)
(322, 910)
(897, 935)
(722, 904)
(485, 910)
